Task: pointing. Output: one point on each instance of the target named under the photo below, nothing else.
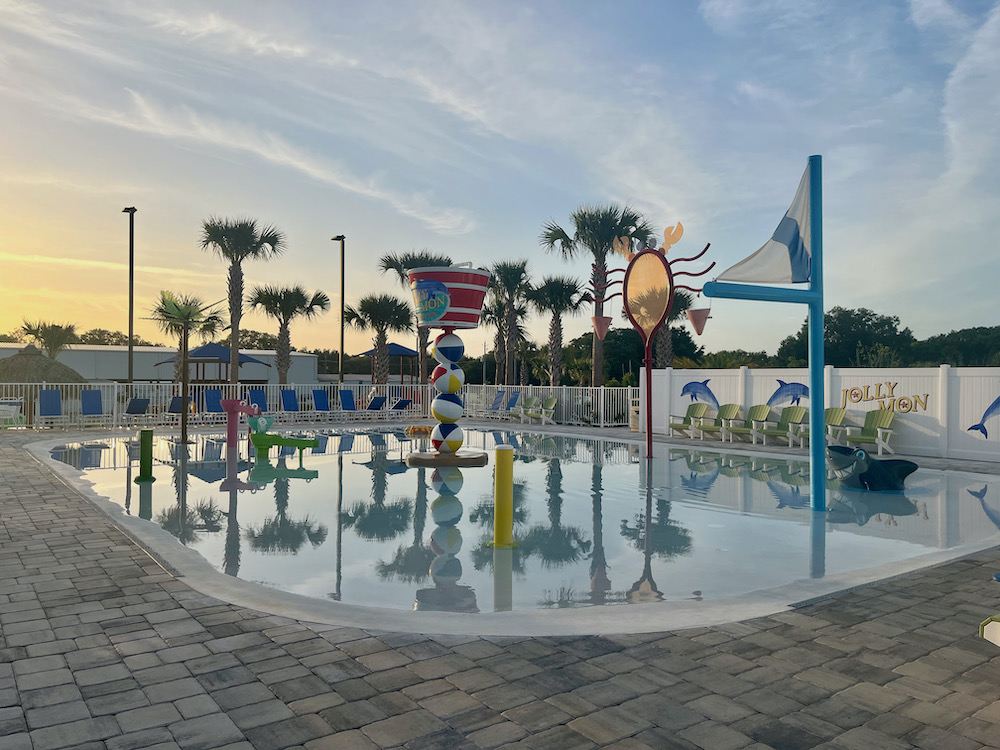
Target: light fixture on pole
(131, 284)
(340, 366)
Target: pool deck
(102, 647)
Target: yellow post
(503, 497)
(503, 579)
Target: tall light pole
(131, 283)
(340, 367)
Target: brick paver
(101, 648)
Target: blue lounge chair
(258, 398)
(176, 408)
(496, 406)
(136, 411)
(510, 410)
(321, 402)
(347, 408)
(92, 408)
(213, 406)
(374, 408)
(346, 443)
(402, 407)
(290, 406)
(50, 411)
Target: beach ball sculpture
(451, 298)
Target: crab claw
(671, 235)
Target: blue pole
(817, 398)
(813, 297)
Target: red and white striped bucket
(448, 296)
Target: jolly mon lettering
(886, 397)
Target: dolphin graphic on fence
(786, 391)
(991, 410)
(700, 391)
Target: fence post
(944, 376)
(601, 410)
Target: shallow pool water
(594, 523)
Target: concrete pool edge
(197, 572)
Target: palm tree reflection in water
(181, 520)
(280, 534)
(556, 545)
(378, 520)
(411, 564)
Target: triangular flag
(785, 258)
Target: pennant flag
(785, 258)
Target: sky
(463, 128)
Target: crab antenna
(699, 273)
(681, 260)
(605, 286)
(605, 299)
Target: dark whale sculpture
(856, 468)
(858, 507)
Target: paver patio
(100, 647)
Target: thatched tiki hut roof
(31, 366)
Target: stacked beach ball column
(447, 408)
(450, 298)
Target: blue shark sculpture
(856, 468)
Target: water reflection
(411, 564)
(280, 534)
(689, 521)
(445, 569)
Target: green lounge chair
(834, 419)
(546, 412)
(790, 424)
(530, 404)
(752, 425)
(727, 413)
(694, 413)
(877, 430)
(835, 426)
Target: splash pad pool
(691, 538)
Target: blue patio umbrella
(213, 353)
(397, 350)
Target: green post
(145, 457)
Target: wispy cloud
(185, 274)
(186, 124)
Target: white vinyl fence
(597, 407)
(941, 411)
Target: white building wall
(98, 363)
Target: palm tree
(284, 304)
(180, 315)
(380, 313)
(493, 315)
(51, 337)
(663, 343)
(510, 284)
(595, 228)
(236, 240)
(400, 264)
(559, 295)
